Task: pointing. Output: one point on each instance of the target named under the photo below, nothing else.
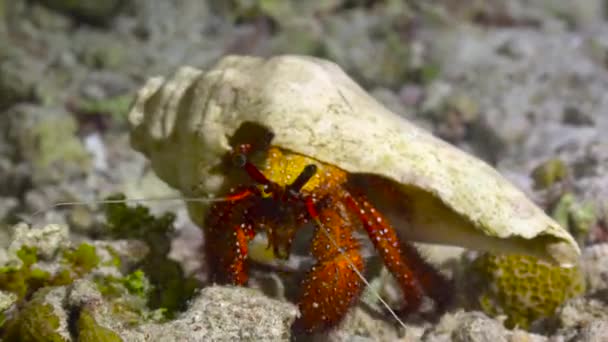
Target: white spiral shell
(183, 125)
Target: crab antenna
(129, 200)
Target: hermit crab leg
(435, 285)
(227, 233)
(385, 239)
(333, 284)
(412, 272)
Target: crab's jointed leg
(226, 248)
(415, 276)
(332, 285)
(435, 285)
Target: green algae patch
(137, 222)
(117, 107)
(14, 281)
(578, 217)
(548, 173)
(115, 261)
(36, 321)
(137, 283)
(81, 260)
(522, 287)
(40, 264)
(90, 331)
(129, 294)
(169, 289)
(25, 279)
(28, 255)
(22, 280)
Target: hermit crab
(292, 141)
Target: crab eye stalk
(241, 161)
(304, 176)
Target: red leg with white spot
(227, 233)
(332, 285)
(389, 247)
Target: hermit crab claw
(442, 195)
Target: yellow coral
(523, 288)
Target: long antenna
(128, 200)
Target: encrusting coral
(522, 287)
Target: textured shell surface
(183, 125)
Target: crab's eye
(239, 160)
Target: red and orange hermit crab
(335, 151)
(287, 192)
